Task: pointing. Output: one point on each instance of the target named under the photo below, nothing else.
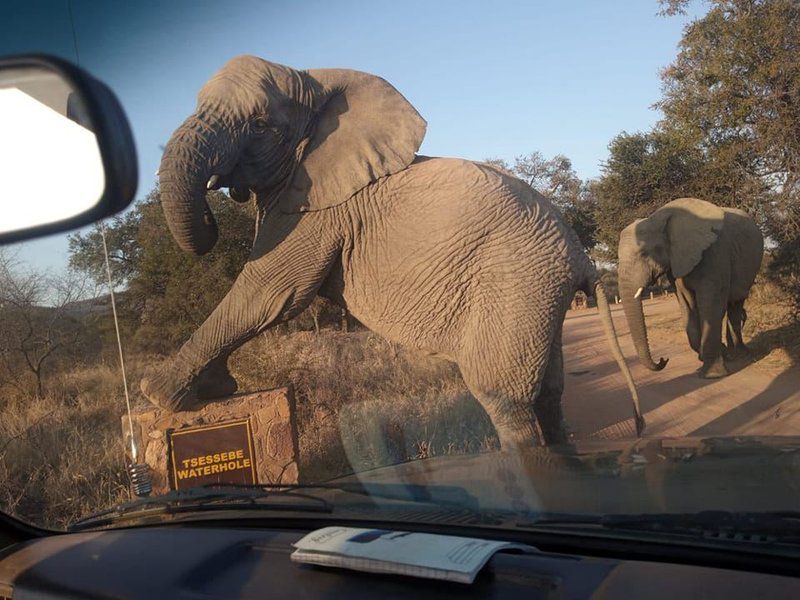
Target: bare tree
(37, 320)
(499, 163)
(553, 178)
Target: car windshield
(504, 258)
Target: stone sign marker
(247, 438)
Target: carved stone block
(243, 439)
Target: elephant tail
(616, 351)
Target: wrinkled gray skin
(447, 256)
(712, 255)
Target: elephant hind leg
(548, 407)
(712, 312)
(736, 317)
(509, 380)
(511, 414)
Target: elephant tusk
(213, 183)
(638, 292)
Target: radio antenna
(138, 472)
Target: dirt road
(676, 402)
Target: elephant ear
(364, 129)
(692, 226)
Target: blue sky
(492, 79)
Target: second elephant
(712, 256)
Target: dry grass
(772, 331)
(61, 456)
(364, 402)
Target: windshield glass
(523, 258)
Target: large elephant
(447, 256)
(712, 255)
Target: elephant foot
(715, 370)
(555, 434)
(519, 438)
(550, 422)
(160, 391)
(215, 381)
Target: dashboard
(207, 562)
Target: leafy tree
(643, 172)
(554, 178)
(734, 90)
(579, 211)
(86, 250)
(172, 291)
(167, 292)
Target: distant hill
(96, 306)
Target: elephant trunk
(634, 313)
(193, 154)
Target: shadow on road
(750, 399)
(782, 386)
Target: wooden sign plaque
(217, 453)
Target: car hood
(746, 473)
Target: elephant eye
(260, 125)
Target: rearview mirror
(67, 156)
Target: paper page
(389, 551)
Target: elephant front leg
(689, 316)
(199, 371)
(287, 267)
